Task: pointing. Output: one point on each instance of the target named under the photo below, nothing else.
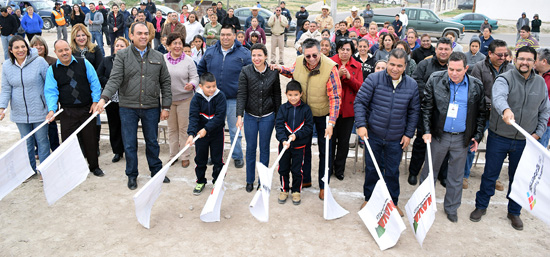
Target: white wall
(512, 9)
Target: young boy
(206, 120)
(187, 49)
(162, 47)
(294, 122)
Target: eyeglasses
(314, 56)
(522, 59)
(502, 55)
(345, 40)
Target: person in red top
(542, 65)
(351, 77)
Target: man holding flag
(518, 95)
(388, 106)
(454, 116)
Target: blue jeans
(389, 153)
(254, 126)
(472, 155)
(231, 123)
(319, 125)
(497, 149)
(149, 124)
(5, 45)
(126, 32)
(41, 137)
(545, 137)
(97, 37)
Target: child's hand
(201, 133)
(286, 144)
(189, 141)
(292, 137)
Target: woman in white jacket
(192, 27)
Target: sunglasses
(314, 56)
(502, 55)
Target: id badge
(453, 111)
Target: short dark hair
(544, 54)
(293, 85)
(458, 56)
(140, 12)
(444, 40)
(311, 42)
(186, 45)
(497, 43)
(526, 28)
(132, 27)
(405, 45)
(345, 22)
(527, 49)
(3, 9)
(489, 28)
(342, 42)
(207, 77)
(259, 46)
(114, 5)
(10, 45)
(227, 26)
(325, 30)
(173, 37)
(398, 54)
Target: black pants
(31, 35)
(115, 134)
(419, 154)
(105, 31)
(340, 144)
(214, 143)
(292, 162)
(320, 125)
(71, 119)
(113, 36)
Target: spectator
(388, 43)
(184, 16)
(523, 21)
(212, 30)
(301, 18)
(535, 27)
(313, 32)
(259, 19)
(84, 8)
(231, 20)
(255, 28)
(193, 28)
(125, 13)
(206, 18)
(473, 55)
(67, 10)
(456, 46)
(198, 48)
(355, 26)
(526, 39)
(94, 20)
(158, 22)
(325, 34)
(484, 25)
(411, 64)
(304, 29)
(116, 25)
(341, 32)
(368, 13)
(240, 38)
(278, 23)
(130, 20)
(485, 40)
(220, 11)
(151, 8)
(60, 21)
(285, 12)
(397, 25)
(9, 26)
(542, 65)
(372, 37)
(364, 57)
(77, 16)
(405, 20)
(150, 27)
(104, 26)
(32, 23)
(172, 25)
(326, 47)
(425, 50)
(354, 16)
(412, 38)
(20, 30)
(82, 46)
(325, 20)
(143, 6)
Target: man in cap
(143, 7)
(523, 21)
(301, 17)
(59, 21)
(352, 17)
(261, 20)
(325, 20)
(484, 25)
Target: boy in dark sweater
(294, 123)
(206, 120)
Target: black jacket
(78, 19)
(301, 17)
(423, 71)
(421, 53)
(105, 14)
(338, 35)
(119, 22)
(104, 70)
(297, 120)
(232, 21)
(435, 105)
(208, 113)
(9, 25)
(157, 34)
(94, 58)
(258, 93)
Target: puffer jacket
(23, 88)
(225, 69)
(259, 93)
(387, 112)
(485, 72)
(435, 105)
(423, 71)
(140, 81)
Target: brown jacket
(167, 29)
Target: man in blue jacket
(387, 106)
(225, 60)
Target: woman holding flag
(23, 78)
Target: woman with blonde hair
(82, 46)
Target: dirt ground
(98, 217)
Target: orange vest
(59, 17)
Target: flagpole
(89, 119)
(33, 131)
(529, 137)
(431, 168)
(374, 159)
(280, 155)
(181, 152)
(327, 142)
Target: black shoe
(475, 216)
(98, 172)
(166, 180)
(249, 187)
(339, 176)
(209, 163)
(452, 217)
(98, 152)
(117, 157)
(443, 182)
(412, 180)
(132, 183)
(239, 164)
(517, 224)
(259, 186)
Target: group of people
(375, 85)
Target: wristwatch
(166, 110)
(330, 124)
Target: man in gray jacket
(518, 95)
(94, 20)
(141, 77)
(523, 21)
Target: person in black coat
(77, 15)
(425, 50)
(158, 27)
(112, 110)
(231, 20)
(104, 27)
(301, 17)
(8, 27)
(115, 21)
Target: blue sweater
(32, 25)
(225, 69)
(387, 112)
(24, 89)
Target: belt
(454, 133)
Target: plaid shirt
(175, 61)
(334, 89)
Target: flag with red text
(421, 209)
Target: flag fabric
(331, 209)
(259, 206)
(145, 198)
(531, 186)
(421, 209)
(15, 168)
(63, 170)
(381, 217)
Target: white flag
(211, 210)
(259, 206)
(331, 209)
(147, 195)
(63, 170)
(531, 186)
(421, 209)
(381, 217)
(14, 168)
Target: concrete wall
(512, 9)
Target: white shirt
(404, 18)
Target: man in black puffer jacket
(454, 117)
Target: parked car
(43, 8)
(468, 5)
(473, 21)
(244, 12)
(425, 21)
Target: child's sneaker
(296, 198)
(282, 197)
(198, 188)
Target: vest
(72, 83)
(59, 17)
(314, 87)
